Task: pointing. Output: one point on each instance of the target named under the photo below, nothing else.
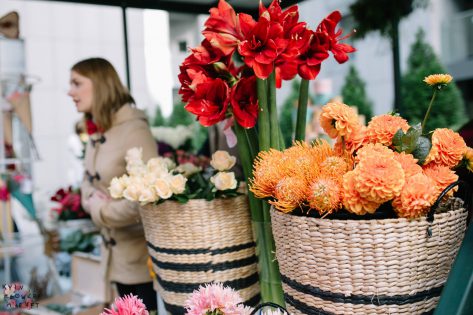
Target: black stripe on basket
(307, 309)
(253, 301)
(362, 299)
(195, 251)
(205, 266)
(174, 309)
(177, 287)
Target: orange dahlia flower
(379, 178)
(324, 195)
(357, 140)
(266, 173)
(382, 128)
(372, 149)
(289, 194)
(408, 163)
(442, 176)
(416, 197)
(447, 148)
(339, 120)
(352, 201)
(438, 79)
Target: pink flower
(215, 297)
(127, 305)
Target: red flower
(69, 204)
(262, 44)
(210, 102)
(91, 127)
(190, 77)
(316, 51)
(328, 26)
(244, 102)
(222, 28)
(204, 54)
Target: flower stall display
(233, 76)
(197, 224)
(69, 204)
(375, 214)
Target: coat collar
(127, 113)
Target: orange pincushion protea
(299, 161)
(379, 178)
(289, 194)
(266, 173)
(408, 163)
(324, 195)
(352, 201)
(382, 128)
(416, 197)
(448, 148)
(372, 149)
(336, 166)
(339, 120)
(442, 176)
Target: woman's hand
(96, 200)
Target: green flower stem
(282, 144)
(273, 112)
(428, 110)
(302, 110)
(264, 131)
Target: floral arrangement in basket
(69, 207)
(387, 161)
(215, 299)
(162, 178)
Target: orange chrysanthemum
(408, 163)
(357, 140)
(324, 195)
(373, 149)
(442, 176)
(352, 201)
(438, 79)
(289, 194)
(468, 157)
(266, 173)
(416, 197)
(339, 120)
(447, 148)
(379, 178)
(381, 129)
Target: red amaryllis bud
(244, 102)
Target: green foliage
(286, 116)
(412, 142)
(448, 109)
(77, 241)
(353, 92)
(159, 119)
(179, 116)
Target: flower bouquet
(69, 207)
(375, 213)
(197, 224)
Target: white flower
(147, 195)
(117, 186)
(136, 168)
(134, 155)
(175, 137)
(177, 183)
(222, 161)
(224, 180)
(133, 190)
(188, 169)
(162, 188)
(157, 167)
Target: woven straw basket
(383, 266)
(201, 242)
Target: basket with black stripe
(201, 242)
(368, 265)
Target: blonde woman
(114, 126)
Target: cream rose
(188, 169)
(136, 168)
(162, 188)
(148, 195)
(157, 167)
(222, 161)
(117, 186)
(133, 190)
(177, 183)
(134, 155)
(224, 180)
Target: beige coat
(124, 251)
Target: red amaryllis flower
(222, 28)
(328, 25)
(313, 48)
(190, 77)
(244, 102)
(210, 102)
(262, 44)
(287, 19)
(203, 54)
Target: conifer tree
(354, 94)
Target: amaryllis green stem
(428, 110)
(264, 131)
(273, 112)
(302, 110)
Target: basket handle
(466, 198)
(270, 304)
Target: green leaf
(181, 198)
(397, 140)
(422, 149)
(409, 140)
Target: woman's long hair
(109, 93)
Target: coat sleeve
(120, 213)
(86, 190)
